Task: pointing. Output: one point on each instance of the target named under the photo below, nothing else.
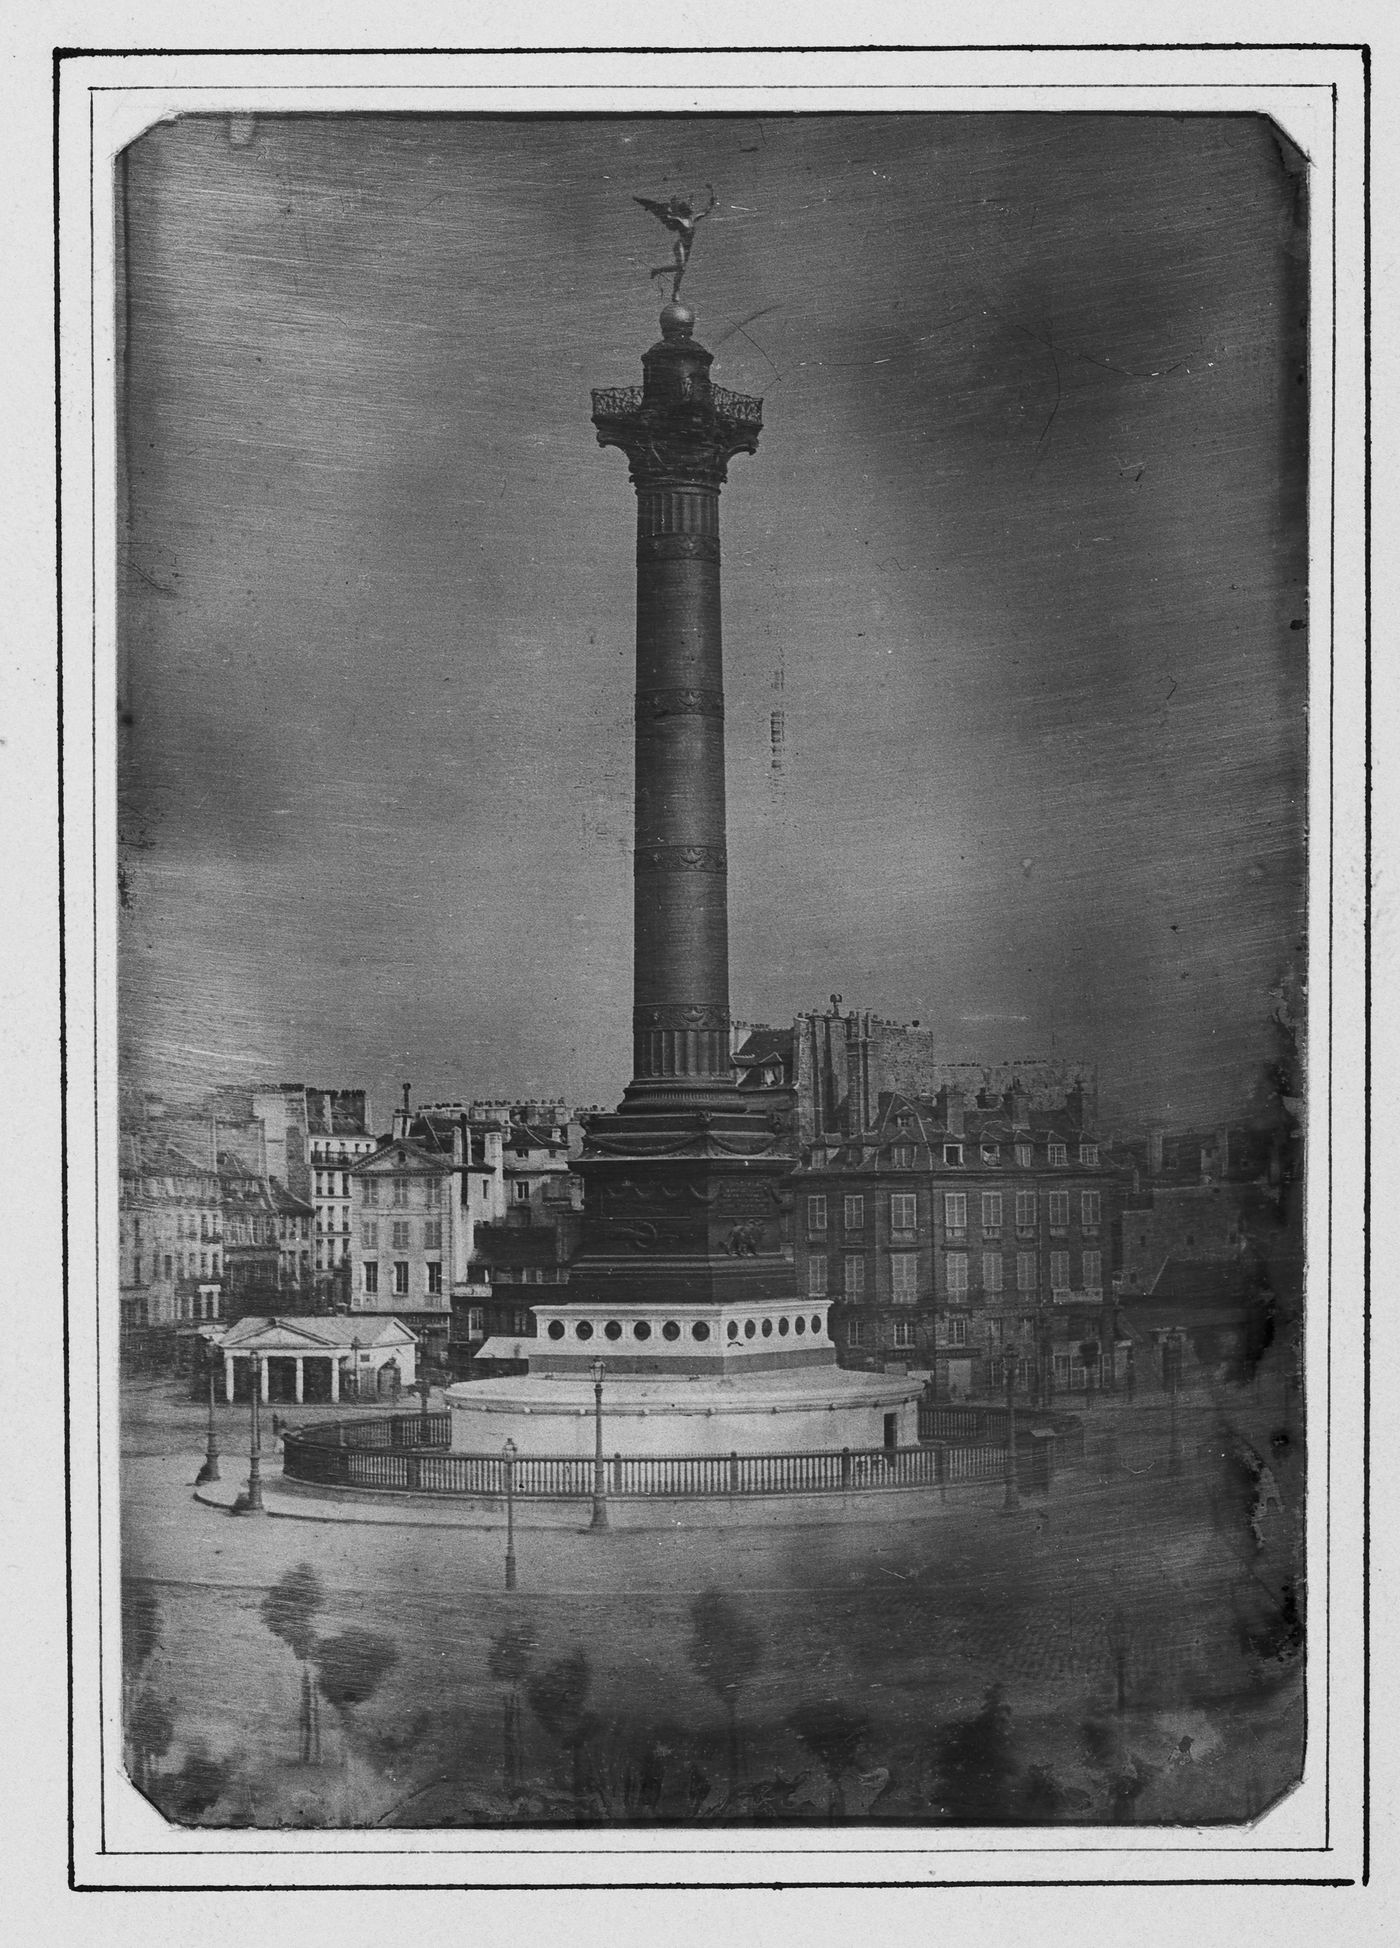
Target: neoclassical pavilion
(371, 1350)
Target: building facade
(170, 1236)
(339, 1133)
(416, 1202)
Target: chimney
(403, 1117)
(1020, 1107)
(950, 1108)
(1155, 1139)
(459, 1133)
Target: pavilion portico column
(263, 1366)
(228, 1378)
(335, 1377)
(300, 1380)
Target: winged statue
(683, 219)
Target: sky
(1021, 560)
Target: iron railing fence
(979, 1425)
(317, 1455)
(626, 402)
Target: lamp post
(510, 1514)
(600, 1499)
(255, 1494)
(1013, 1492)
(210, 1469)
(423, 1387)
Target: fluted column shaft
(681, 950)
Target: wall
(1191, 1221)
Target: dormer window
(1023, 1156)
(952, 1153)
(1088, 1153)
(991, 1153)
(904, 1156)
(1059, 1153)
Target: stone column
(228, 1378)
(263, 1366)
(679, 433)
(335, 1378)
(300, 1380)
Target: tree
(509, 1664)
(289, 1610)
(140, 1632)
(725, 1651)
(150, 1729)
(976, 1763)
(197, 1787)
(558, 1697)
(832, 1732)
(352, 1666)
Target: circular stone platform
(799, 1410)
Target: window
(854, 1277)
(955, 1213)
(369, 1236)
(816, 1213)
(1025, 1271)
(904, 1333)
(203, 1263)
(957, 1271)
(1059, 1210)
(991, 1153)
(1093, 1271)
(855, 1213)
(904, 1156)
(520, 1191)
(476, 1322)
(1089, 1208)
(991, 1213)
(1059, 1153)
(371, 1185)
(957, 1332)
(991, 1271)
(435, 1275)
(904, 1277)
(371, 1276)
(400, 1277)
(904, 1211)
(399, 1241)
(1059, 1271)
(952, 1153)
(400, 1192)
(855, 1332)
(432, 1235)
(432, 1191)
(1023, 1155)
(816, 1278)
(1088, 1153)
(167, 1265)
(1025, 1213)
